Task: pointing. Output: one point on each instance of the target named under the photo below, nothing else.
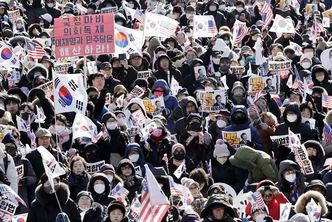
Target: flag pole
(57, 200)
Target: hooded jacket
(259, 164)
(218, 16)
(255, 137)
(11, 170)
(297, 126)
(141, 160)
(319, 159)
(173, 72)
(103, 198)
(132, 183)
(288, 188)
(45, 207)
(218, 200)
(304, 199)
(326, 83)
(181, 122)
(170, 101)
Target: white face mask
(222, 7)
(221, 123)
(50, 5)
(306, 65)
(239, 9)
(213, 8)
(110, 178)
(291, 118)
(290, 177)
(99, 188)
(208, 88)
(134, 158)
(222, 160)
(59, 128)
(216, 60)
(111, 125)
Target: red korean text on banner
(84, 35)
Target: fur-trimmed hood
(300, 206)
(49, 199)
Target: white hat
(187, 182)
(220, 149)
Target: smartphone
(122, 56)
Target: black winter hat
(107, 116)
(316, 183)
(116, 205)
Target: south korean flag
(69, 93)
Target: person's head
(194, 122)
(218, 98)
(268, 196)
(99, 186)
(109, 171)
(292, 114)
(10, 145)
(116, 211)
(221, 152)
(110, 121)
(269, 82)
(244, 136)
(317, 185)
(12, 104)
(44, 137)
(192, 185)
(98, 81)
(275, 48)
(77, 165)
(106, 68)
(136, 59)
(178, 151)
(200, 176)
(84, 200)
(306, 111)
(126, 170)
(190, 107)
(47, 186)
(26, 111)
(164, 62)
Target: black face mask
(224, 68)
(117, 69)
(25, 116)
(179, 156)
(195, 127)
(239, 119)
(93, 99)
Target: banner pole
(57, 200)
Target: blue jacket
(171, 102)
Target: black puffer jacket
(45, 208)
(77, 183)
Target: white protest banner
(92, 67)
(310, 121)
(204, 26)
(159, 105)
(129, 11)
(282, 25)
(105, 10)
(7, 207)
(13, 15)
(136, 92)
(10, 195)
(92, 168)
(276, 66)
(138, 118)
(284, 211)
(40, 117)
(143, 74)
(200, 72)
(69, 93)
(62, 68)
(20, 171)
(267, 83)
(282, 139)
(83, 127)
(212, 100)
(127, 40)
(237, 138)
(159, 25)
(301, 158)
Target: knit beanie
(220, 149)
(9, 139)
(187, 182)
(178, 145)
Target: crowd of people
(254, 155)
